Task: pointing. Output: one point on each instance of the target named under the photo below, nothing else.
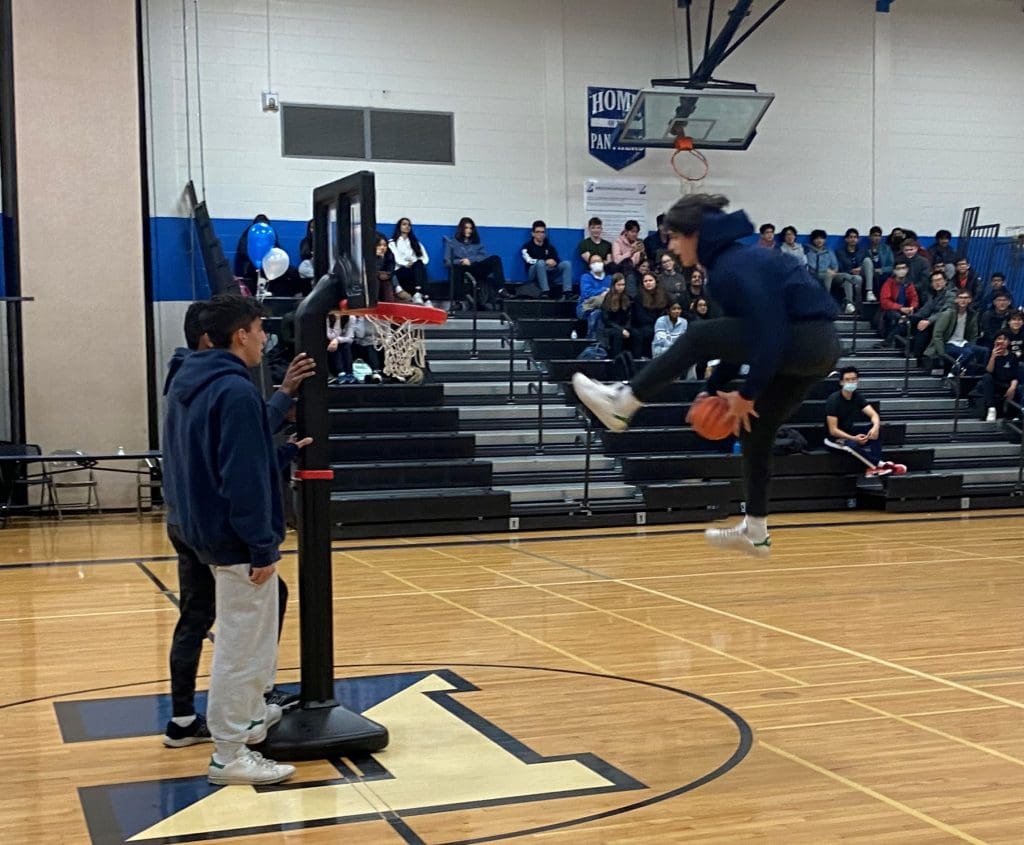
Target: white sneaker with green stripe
(258, 728)
(612, 405)
(248, 768)
(738, 539)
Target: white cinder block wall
(903, 117)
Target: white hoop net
(403, 345)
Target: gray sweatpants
(244, 657)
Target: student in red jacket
(897, 301)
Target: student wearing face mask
(846, 431)
(897, 302)
(593, 287)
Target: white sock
(626, 402)
(756, 528)
(183, 721)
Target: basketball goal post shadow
(345, 227)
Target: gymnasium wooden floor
(627, 686)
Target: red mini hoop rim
(399, 312)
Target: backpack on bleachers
(789, 441)
(594, 352)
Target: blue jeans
(872, 450)
(540, 272)
(970, 352)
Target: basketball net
(697, 161)
(403, 345)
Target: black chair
(24, 477)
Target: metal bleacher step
(496, 390)
(975, 451)
(443, 365)
(989, 475)
(527, 437)
(468, 413)
(540, 464)
(437, 345)
(567, 492)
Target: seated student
(307, 243)
(341, 332)
(895, 240)
(593, 287)
(994, 319)
(615, 314)
(911, 235)
(657, 241)
(668, 329)
(821, 261)
(997, 283)
(594, 244)
(767, 236)
(696, 289)
(699, 309)
(920, 267)
(791, 248)
(943, 253)
(670, 277)
(1015, 333)
(881, 261)
(939, 298)
(363, 345)
(898, 301)
(542, 262)
(1000, 380)
(411, 260)
(650, 304)
(465, 254)
(850, 260)
(628, 249)
(956, 334)
(385, 273)
(964, 278)
(846, 431)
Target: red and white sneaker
(875, 472)
(897, 469)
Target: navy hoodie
(220, 465)
(764, 288)
(278, 407)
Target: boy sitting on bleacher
(846, 431)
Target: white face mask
(849, 386)
(597, 269)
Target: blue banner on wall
(606, 109)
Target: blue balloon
(260, 241)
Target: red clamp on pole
(314, 474)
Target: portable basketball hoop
(400, 333)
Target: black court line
(168, 593)
(528, 538)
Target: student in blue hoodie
(221, 473)
(777, 319)
(195, 579)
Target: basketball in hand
(711, 419)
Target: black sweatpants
(198, 601)
(810, 353)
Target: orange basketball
(711, 419)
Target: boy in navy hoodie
(777, 319)
(195, 579)
(221, 479)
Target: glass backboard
(714, 119)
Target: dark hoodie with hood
(766, 289)
(220, 464)
(278, 407)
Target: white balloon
(275, 264)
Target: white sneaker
(870, 296)
(850, 308)
(417, 298)
(736, 538)
(258, 729)
(605, 402)
(991, 415)
(249, 767)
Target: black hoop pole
(319, 727)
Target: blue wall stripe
(179, 274)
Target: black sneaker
(175, 736)
(282, 699)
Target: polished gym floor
(865, 684)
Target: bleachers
(492, 444)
